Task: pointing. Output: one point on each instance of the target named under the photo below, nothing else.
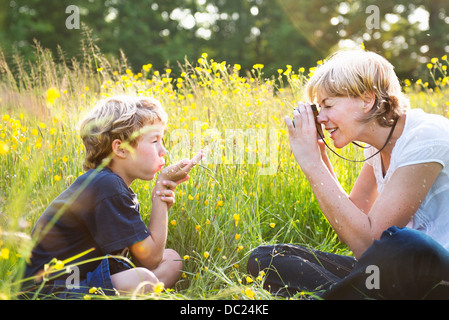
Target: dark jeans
(403, 264)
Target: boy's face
(147, 157)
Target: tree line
(269, 32)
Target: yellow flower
(4, 253)
(173, 222)
(206, 254)
(237, 236)
(57, 177)
(429, 66)
(51, 95)
(219, 204)
(248, 279)
(158, 287)
(272, 225)
(59, 265)
(236, 218)
(249, 293)
(197, 227)
(258, 66)
(186, 257)
(5, 117)
(3, 148)
(93, 290)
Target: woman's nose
(321, 118)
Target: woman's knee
(262, 258)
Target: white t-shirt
(425, 139)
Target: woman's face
(341, 118)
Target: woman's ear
(369, 101)
(117, 149)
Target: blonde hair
(353, 73)
(118, 117)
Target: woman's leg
(290, 269)
(403, 264)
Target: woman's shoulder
(424, 126)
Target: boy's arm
(149, 252)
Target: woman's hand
(303, 136)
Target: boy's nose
(163, 151)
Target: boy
(99, 212)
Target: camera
(317, 124)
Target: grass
(249, 191)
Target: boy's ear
(117, 148)
(369, 100)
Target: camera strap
(386, 142)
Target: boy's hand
(170, 177)
(179, 172)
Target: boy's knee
(146, 275)
(171, 256)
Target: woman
(396, 218)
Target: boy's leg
(129, 280)
(168, 272)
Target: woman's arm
(364, 192)
(395, 206)
(356, 223)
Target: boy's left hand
(170, 177)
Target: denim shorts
(99, 278)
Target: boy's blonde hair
(352, 73)
(118, 117)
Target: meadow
(248, 191)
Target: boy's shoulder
(103, 183)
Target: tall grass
(225, 210)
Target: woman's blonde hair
(118, 117)
(353, 73)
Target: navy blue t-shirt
(97, 211)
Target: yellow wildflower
(4, 253)
(51, 95)
(206, 254)
(3, 148)
(158, 287)
(59, 265)
(236, 218)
